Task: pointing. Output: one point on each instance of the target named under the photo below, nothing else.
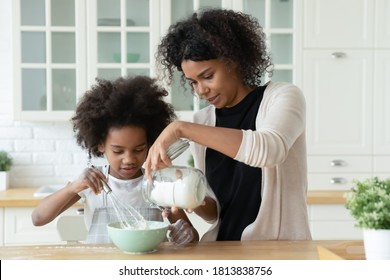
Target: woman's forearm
(224, 140)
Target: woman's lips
(212, 99)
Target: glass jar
(176, 186)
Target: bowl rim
(163, 224)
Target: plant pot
(377, 244)
(4, 180)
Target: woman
(250, 141)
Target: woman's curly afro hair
(216, 34)
(132, 101)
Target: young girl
(250, 142)
(118, 120)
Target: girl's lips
(128, 170)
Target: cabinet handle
(336, 55)
(338, 180)
(338, 162)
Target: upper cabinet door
(121, 34)
(62, 46)
(280, 24)
(338, 23)
(49, 70)
(382, 104)
(280, 21)
(338, 86)
(382, 24)
(183, 100)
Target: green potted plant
(369, 203)
(5, 166)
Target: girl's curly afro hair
(216, 34)
(135, 101)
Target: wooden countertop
(24, 197)
(220, 250)
(19, 197)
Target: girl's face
(216, 81)
(126, 150)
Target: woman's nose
(202, 90)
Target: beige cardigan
(278, 146)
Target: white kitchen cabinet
(332, 222)
(382, 24)
(19, 230)
(337, 172)
(382, 103)
(338, 87)
(1, 226)
(346, 88)
(49, 58)
(345, 81)
(281, 22)
(381, 122)
(338, 23)
(121, 37)
(65, 44)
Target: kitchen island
(220, 250)
(326, 212)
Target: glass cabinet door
(275, 16)
(120, 32)
(62, 46)
(183, 100)
(49, 68)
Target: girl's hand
(180, 233)
(90, 178)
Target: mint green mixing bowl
(138, 240)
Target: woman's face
(215, 81)
(125, 149)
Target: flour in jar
(187, 191)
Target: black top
(236, 185)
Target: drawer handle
(338, 162)
(338, 180)
(337, 55)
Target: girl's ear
(101, 148)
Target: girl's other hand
(180, 233)
(91, 178)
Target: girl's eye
(117, 152)
(141, 150)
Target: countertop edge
(24, 197)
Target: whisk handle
(106, 187)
